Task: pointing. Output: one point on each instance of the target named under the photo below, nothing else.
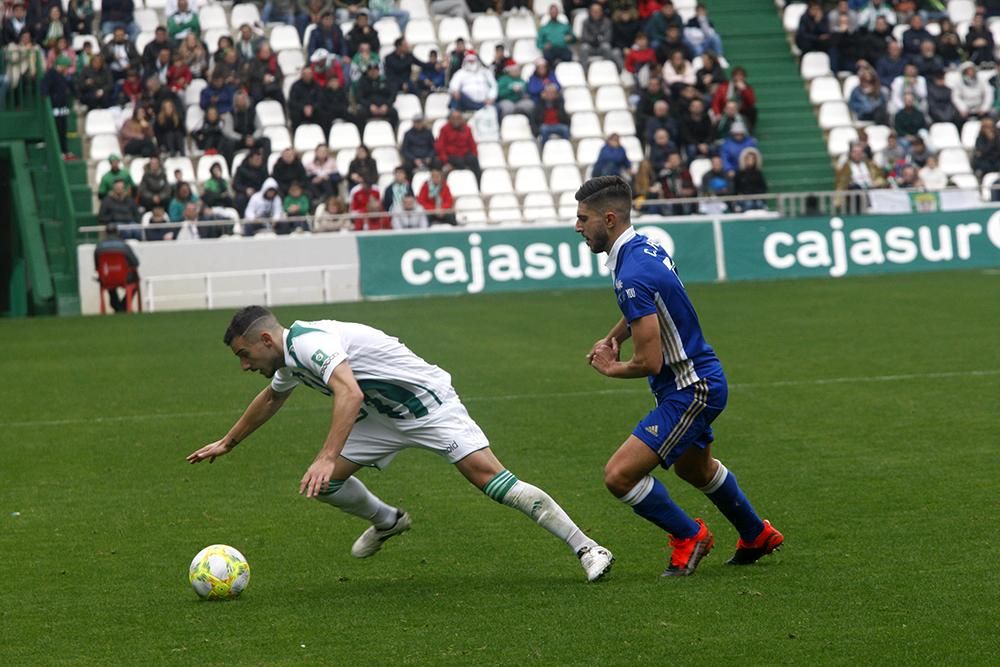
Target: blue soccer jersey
(646, 283)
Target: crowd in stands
(688, 113)
(914, 66)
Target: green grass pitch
(862, 420)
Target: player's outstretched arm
(263, 407)
(618, 334)
(348, 398)
(647, 358)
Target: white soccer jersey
(396, 382)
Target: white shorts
(448, 430)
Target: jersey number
(388, 399)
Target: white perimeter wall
(338, 253)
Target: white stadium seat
(588, 149)
(386, 159)
(193, 118)
(142, 39)
(825, 89)
(103, 146)
(147, 19)
(80, 40)
(839, 141)
(954, 161)
(135, 170)
(344, 136)
(401, 130)
(525, 51)
(944, 135)
(961, 10)
(557, 151)
(520, 27)
(344, 158)
(436, 106)
(965, 181)
(610, 98)
(279, 136)
(416, 8)
(496, 181)
(192, 94)
(307, 137)
(469, 210)
(633, 149)
(270, 113)
(523, 154)
(181, 164)
(491, 155)
(285, 38)
(567, 206)
(213, 17)
(989, 180)
(530, 179)
(970, 132)
(388, 31)
(407, 106)
(515, 127)
(584, 125)
(698, 168)
(100, 121)
(378, 133)
(814, 64)
(487, 28)
(451, 28)
(504, 208)
(462, 182)
(570, 74)
(878, 137)
(603, 73)
(565, 178)
(421, 31)
(243, 13)
(539, 207)
(620, 122)
(291, 62)
(850, 83)
(792, 15)
(576, 100)
(205, 162)
(834, 114)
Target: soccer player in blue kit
(685, 377)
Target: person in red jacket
(737, 89)
(435, 195)
(640, 55)
(455, 145)
(365, 199)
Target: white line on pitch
(632, 389)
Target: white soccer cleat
(596, 561)
(372, 539)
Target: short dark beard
(600, 240)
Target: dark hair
(607, 192)
(242, 321)
(399, 40)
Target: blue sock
(732, 502)
(650, 500)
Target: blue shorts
(683, 418)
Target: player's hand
(316, 477)
(605, 356)
(609, 342)
(212, 450)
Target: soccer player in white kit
(386, 398)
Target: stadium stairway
(794, 151)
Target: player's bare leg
(484, 470)
(758, 538)
(349, 494)
(627, 476)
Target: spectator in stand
(381, 8)
(179, 75)
(158, 216)
(911, 82)
(296, 207)
(456, 148)
(96, 84)
(330, 216)
(399, 67)
(303, 99)
(112, 242)
(334, 105)
(872, 11)
(928, 61)
(160, 66)
(362, 33)
(909, 121)
(595, 38)
(169, 129)
(195, 55)
(136, 136)
(612, 160)
(859, 172)
(550, 117)
(457, 8)
(645, 102)
(457, 57)
(154, 188)
(696, 131)
(554, 38)
(709, 76)
(979, 43)
(875, 43)
(674, 182)
(888, 157)
(417, 149)
(248, 43)
(118, 206)
(730, 116)
(375, 98)
(500, 60)
(625, 23)
(264, 76)
(972, 97)
(287, 170)
(265, 208)
(62, 48)
(660, 120)
(843, 9)
(749, 180)
(716, 182)
(311, 13)
(183, 22)
(80, 15)
(278, 11)
(917, 152)
(986, 154)
(847, 46)
(432, 74)
(813, 33)
(120, 54)
(215, 191)
(362, 168)
(868, 100)
(362, 60)
(151, 51)
(940, 106)
(132, 88)
(365, 201)
(216, 134)
(733, 146)
(58, 87)
(700, 32)
(915, 36)
(640, 59)
(436, 196)
(218, 94)
(119, 14)
(891, 66)
(249, 178)
(184, 194)
(677, 73)
(908, 178)
(189, 229)
(660, 149)
(541, 77)
(113, 175)
(512, 93)
(738, 89)
(324, 66)
(660, 21)
(409, 214)
(949, 44)
(328, 36)
(932, 176)
(399, 188)
(472, 87)
(671, 42)
(53, 28)
(247, 126)
(324, 176)
(14, 24)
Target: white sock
(353, 497)
(508, 490)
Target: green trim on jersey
(394, 393)
(294, 332)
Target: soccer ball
(219, 572)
